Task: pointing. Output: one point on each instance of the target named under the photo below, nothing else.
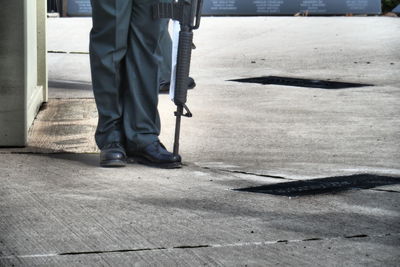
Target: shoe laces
(114, 145)
(158, 144)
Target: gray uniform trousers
(166, 52)
(125, 57)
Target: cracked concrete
(239, 244)
(386, 190)
(70, 205)
(61, 209)
(249, 173)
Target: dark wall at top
(290, 7)
(79, 8)
(264, 7)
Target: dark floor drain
(300, 82)
(324, 185)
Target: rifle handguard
(183, 67)
(188, 13)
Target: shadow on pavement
(324, 185)
(89, 159)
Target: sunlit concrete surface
(62, 209)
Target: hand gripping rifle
(188, 13)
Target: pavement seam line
(385, 190)
(238, 244)
(248, 173)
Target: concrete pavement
(61, 209)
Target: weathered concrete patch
(63, 125)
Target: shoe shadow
(88, 159)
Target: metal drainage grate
(300, 82)
(324, 185)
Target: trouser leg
(140, 116)
(108, 45)
(166, 52)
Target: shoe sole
(167, 165)
(113, 163)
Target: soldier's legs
(141, 121)
(125, 59)
(108, 46)
(166, 52)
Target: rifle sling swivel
(187, 114)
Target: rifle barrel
(178, 115)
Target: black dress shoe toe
(156, 155)
(113, 155)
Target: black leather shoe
(164, 86)
(156, 155)
(113, 155)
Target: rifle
(188, 13)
